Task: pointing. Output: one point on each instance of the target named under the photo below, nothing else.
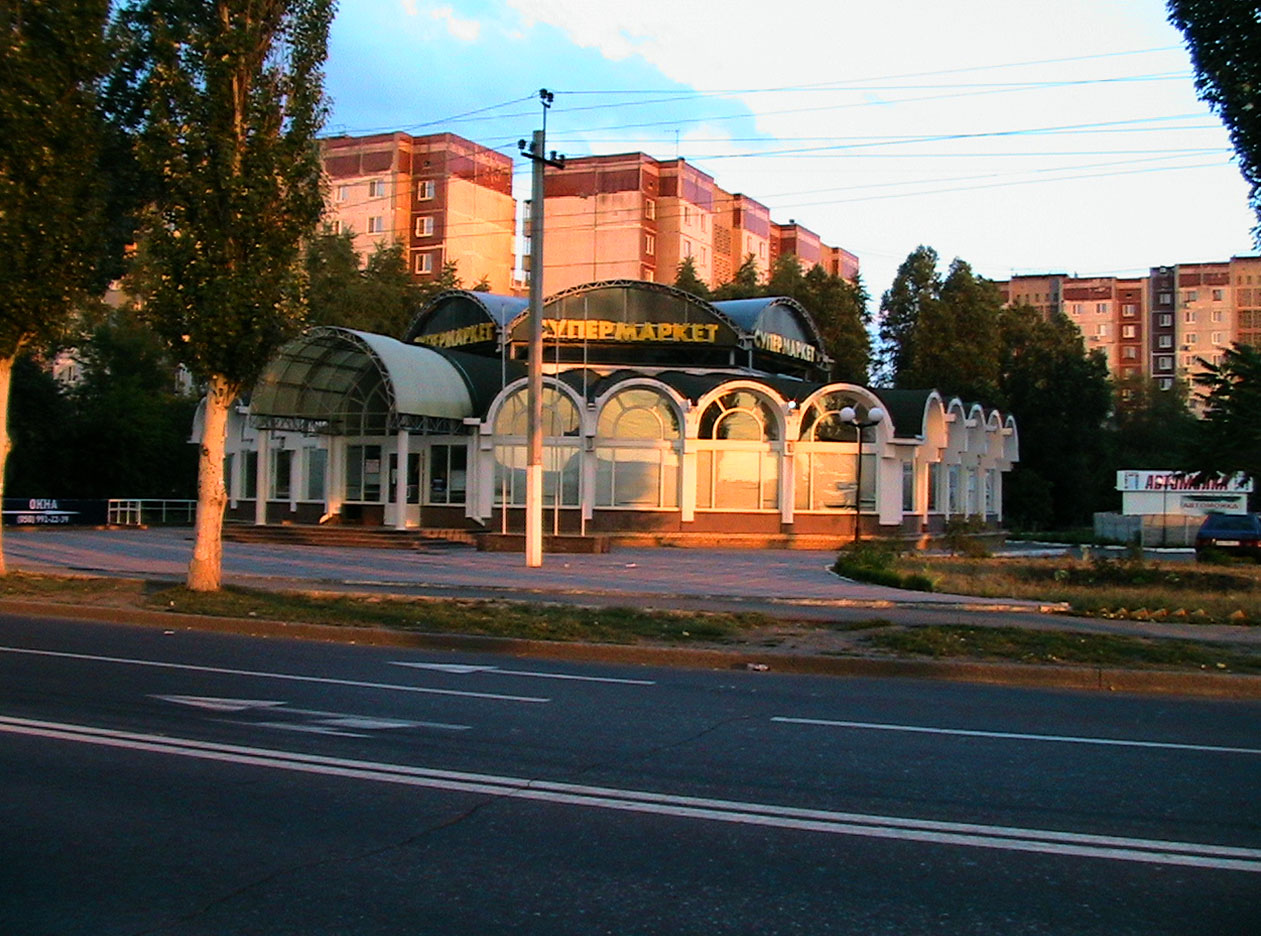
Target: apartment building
(444, 198)
(1160, 325)
(630, 216)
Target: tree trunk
(6, 379)
(205, 571)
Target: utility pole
(534, 387)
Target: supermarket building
(664, 414)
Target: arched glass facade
(637, 451)
(826, 462)
(737, 465)
(561, 447)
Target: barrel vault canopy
(339, 381)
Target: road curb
(1100, 679)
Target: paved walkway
(788, 583)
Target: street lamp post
(849, 415)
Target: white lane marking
(464, 669)
(1016, 736)
(1009, 838)
(334, 719)
(358, 684)
(215, 704)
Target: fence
(151, 512)
(1148, 529)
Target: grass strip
(1013, 644)
(466, 616)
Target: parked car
(1230, 534)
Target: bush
(874, 562)
(961, 536)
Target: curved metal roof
(337, 380)
(754, 315)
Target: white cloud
(466, 30)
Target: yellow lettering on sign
(456, 337)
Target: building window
(1189, 316)
(1102, 329)
(411, 486)
(704, 222)
(363, 473)
(281, 473)
(648, 274)
(1165, 298)
(376, 188)
(1217, 315)
(1164, 362)
(448, 474)
(650, 245)
(1129, 331)
(1166, 320)
(343, 192)
(637, 460)
(1192, 338)
(737, 468)
(687, 247)
(1164, 341)
(424, 226)
(1129, 310)
(650, 209)
(1076, 308)
(316, 462)
(335, 226)
(1129, 352)
(687, 214)
(424, 189)
(1166, 383)
(1101, 308)
(1218, 295)
(908, 487)
(1191, 295)
(376, 225)
(561, 454)
(423, 263)
(1217, 339)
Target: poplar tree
(54, 238)
(227, 98)
(1224, 39)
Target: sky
(1023, 136)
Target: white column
(262, 479)
(787, 483)
(400, 482)
(334, 469)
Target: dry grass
(1105, 588)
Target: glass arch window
(637, 455)
(825, 467)
(561, 457)
(736, 467)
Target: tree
(54, 231)
(377, 297)
(685, 278)
(915, 287)
(955, 338)
(130, 421)
(746, 284)
(226, 99)
(1224, 39)
(1229, 439)
(1150, 428)
(1060, 397)
(839, 309)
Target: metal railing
(151, 512)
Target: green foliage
(378, 296)
(955, 344)
(1224, 39)
(1150, 428)
(962, 537)
(1229, 439)
(1061, 398)
(746, 284)
(915, 288)
(874, 561)
(125, 422)
(685, 278)
(225, 100)
(57, 249)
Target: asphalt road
(196, 783)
